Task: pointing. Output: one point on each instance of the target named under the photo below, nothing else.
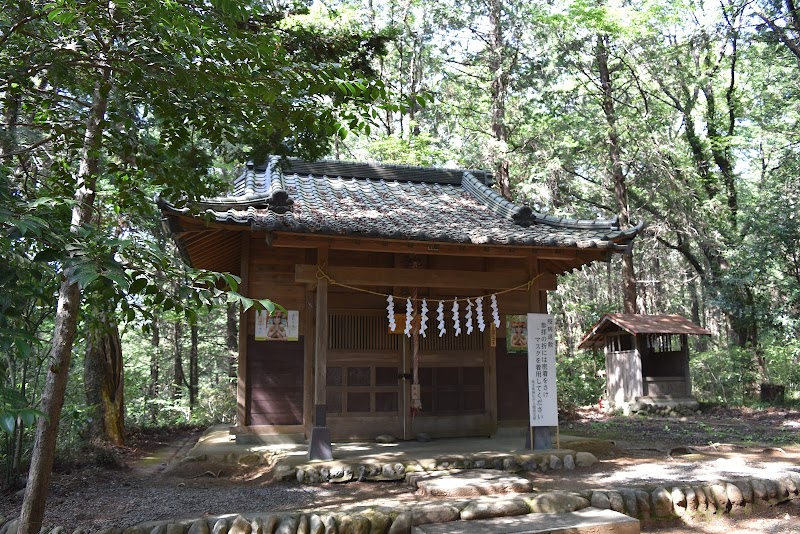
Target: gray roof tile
(396, 202)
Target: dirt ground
(746, 435)
(144, 481)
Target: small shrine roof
(395, 202)
(636, 324)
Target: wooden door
(275, 382)
(512, 384)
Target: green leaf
(247, 303)
(29, 415)
(137, 286)
(47, 255)
(83, 276)
(7, 422)
(267, 305)
(116, 276)
(232, 281)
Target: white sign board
(542, 402)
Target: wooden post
(308, 330)
(687, 375)
(540, 437)
(241, 370)
(319, 446)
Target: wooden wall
(623, 375)
(458, 377)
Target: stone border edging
(344, 471)
(660, 502)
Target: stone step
(586, 521)
(468, 483)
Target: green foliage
(15, 411)
(419, 150)
(151, 399)
(723, 376)
(104, 107)
(726, 375)
(783, 362)
(580, 381)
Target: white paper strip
(440, 318)
(479, 314)
(468, 317)
(409, 317)
(495, 312)
(423, 320)
(456, 320)
(390, 312)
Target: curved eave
(216, 245)
(617, 242)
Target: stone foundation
(342, 471)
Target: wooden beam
(292, 240)
(446, 279)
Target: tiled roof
(636, 324)
(395, 202)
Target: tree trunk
(155, 359)
(178, 377)
(499, 90)
(8, 137)
(193, 368)
(66, 322)
(232, 342)
(616, 171)
(103, 379)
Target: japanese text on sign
(543, 407)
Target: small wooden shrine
(352, 251)
(647, 356)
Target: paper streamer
(479, 314)
(409, 317)
(456, 319)
(390, 312)
(440, 318)
(423, 320)
(495, 313)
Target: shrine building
(330, 242)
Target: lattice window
(348, 331)
(369, 331)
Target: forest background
(681, 114)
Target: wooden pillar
(540, 434)
(241, 372)
(319, 446)
(307, 324)
(490, 365)
(687, 375)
